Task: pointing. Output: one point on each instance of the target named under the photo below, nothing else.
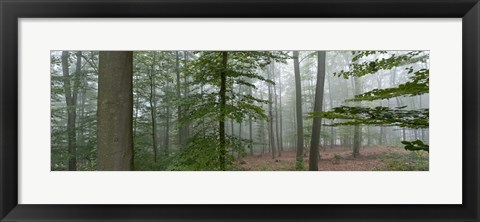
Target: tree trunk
(277, 130)
(250, 129)
(317, 108)
(280, 144)
(271, 135)
(115, 111)
(71, 102)
(298, 105)
(332, 136)
(382, 128)
(357, 140)
(153, 108)
(167, 121)
(186, 127)
(179, 97)
(223, 102)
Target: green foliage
(337, 157)
(415, 145)
(202, 154)
(418, 84)
(363, 64)
(413, 161)
(299, 165)
(358, 68)
(144, 161)
(85, 109)
(204, 105)
(380, 116)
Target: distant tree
(298, 102)
(216, 74)
(417, 84)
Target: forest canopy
(239, 110)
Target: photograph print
(239, 110)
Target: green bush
(413, 161)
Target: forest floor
(341, 159)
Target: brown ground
(369, 159)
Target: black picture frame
(12, 10)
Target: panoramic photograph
(239, 110)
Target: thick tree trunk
(223, 102)
(115, 111)
(298, 102)
(317, 108)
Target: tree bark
(223, 102)
(71, 102)
(357, 140)
(271, 135)
(298, 108)
(167, 121)
(115, 111)
(277, 130)
(317, 108)
(181, 132)
(332, 136)
(280, 144)
(250, 128)
(153, 108)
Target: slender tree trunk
(277, 130)
(71, 102)
(179, 97)
(332, 136)
(136, 107)
(317, 108)
(115, 111)
(368, 136)
(223, 102)
(83, 100)
(153, 108)
(357, 140)
(298, 102)
(240, 137)
(382, 128)
(422, 130)
(271, 135)
(280, 144)
(167, 121)
(186, 128)
(250, 129)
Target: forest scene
(239, 110)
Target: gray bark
(71, 102)
(115, 111)
(271, 134)
(298, 105)
(317, 108)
